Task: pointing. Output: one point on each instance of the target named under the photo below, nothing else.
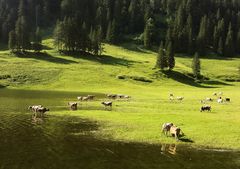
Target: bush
(136, 78)
(141, 79)
(2, 77)
(121, 77)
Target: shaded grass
(103, 59)
(43, 56)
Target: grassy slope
(140, 119)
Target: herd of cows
(167, 128)
(39, 109)
(206, 107)
(173, 130)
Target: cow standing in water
(38, 109)
(73, 106)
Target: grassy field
(128, 69)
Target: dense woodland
(185, 26)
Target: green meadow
(129, 69)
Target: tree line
(190, 26)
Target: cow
(205, 108)
(85, 98)
(209, 99)
(220, 100)
(127, 97)
(80, 98)
(107, 104)
(227, 99)
(175, 132)
(171, 97)
(112, 96)
(91, 97)
(42, 110)
(34, 108)
(214, 94)
(180, 98)
(120, 96)
(73, 106)
(166, 128)
(38, 109)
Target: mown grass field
(140, 119)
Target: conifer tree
(112, 33)
(21, 28)
(238, 42)
(161, 58)
(148, 33)
(37, 43)
(201, 39)
(12, 41)
(190, 42)
(170, 56)
(196, 67)
(220, 47)
(215, 39)
(229, 47)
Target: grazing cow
(180, 98)
(107, 104)
(209, 99)
(38, 109)
(73, 106)
(214, 94)
(85, 98)
(120, 96)
(112, 96)
(34, 108)
(227, 99)
(42, 110)
(175, 131)
(166, 128)
(80, 98)
(127, 97)
(91, 97)
(205, 108)
(220, 100)
(171, 97)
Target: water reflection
(169, 148)
(37, 118)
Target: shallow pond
(69, 143)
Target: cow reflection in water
(169, 148)
(37, 119)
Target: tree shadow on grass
(211, 56)
(188, 80)
(44, 57)
(103, 59)
(133, 47)
(45, 47)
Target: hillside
(130, 71)
(118, 67)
